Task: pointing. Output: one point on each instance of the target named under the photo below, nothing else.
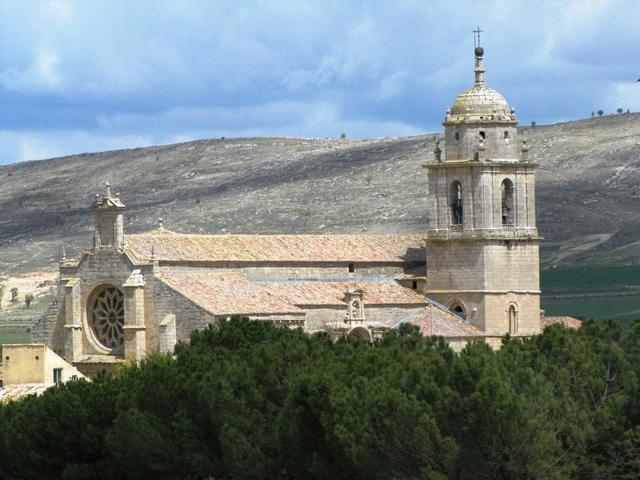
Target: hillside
(588, 191)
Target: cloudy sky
(91, 75)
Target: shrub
(28, 298)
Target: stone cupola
(109, 215)
(480, 125)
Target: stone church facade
(473, 275)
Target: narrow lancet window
(456, 203)
(507, 202)
(513, 319)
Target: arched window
(457, 136)
(482, 135)
(456, 203)
(458, 309)
(507, 202)
(513, 319)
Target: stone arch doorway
(360, 333)
(105, 318)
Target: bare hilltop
(588, 191)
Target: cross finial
(476, 36)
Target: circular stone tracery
(107, 317)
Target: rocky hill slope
(588, 191)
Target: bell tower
(482, 240)
(109, 211)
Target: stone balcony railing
(505, 232)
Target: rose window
(107, 320)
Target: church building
(472, 275)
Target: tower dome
(480, 103)
(480, 100)
(480, 125)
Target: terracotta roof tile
(435, 321)
(170, 246)
(14, 392)
(333, 293)
(226, 293)
(567, 321)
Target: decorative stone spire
(108, 187)
(160, 223)
(63, 254)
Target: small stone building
(31, 368)
(473, 274)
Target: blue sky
(84, 76)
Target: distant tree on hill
(28, 298)
(593, 114)
(343, 135)
(619, 110)
(600, 113)
(628, 111)
(533, 123)
(14, 294)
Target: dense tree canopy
(250, 400)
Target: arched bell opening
(455, 200)
(507, 202)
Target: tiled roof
(14, 392)
(567, 321)
(226, 293)
(171, 246)
(333, 293)
(435, 321)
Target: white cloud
(60, 10)
(391, 86)
(41, 76)
(280, 119)
(162, 70)
(37, 145)
(625, 96)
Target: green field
(598, 293)
(16, 320)
(14, 337)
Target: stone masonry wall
(319, 318)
